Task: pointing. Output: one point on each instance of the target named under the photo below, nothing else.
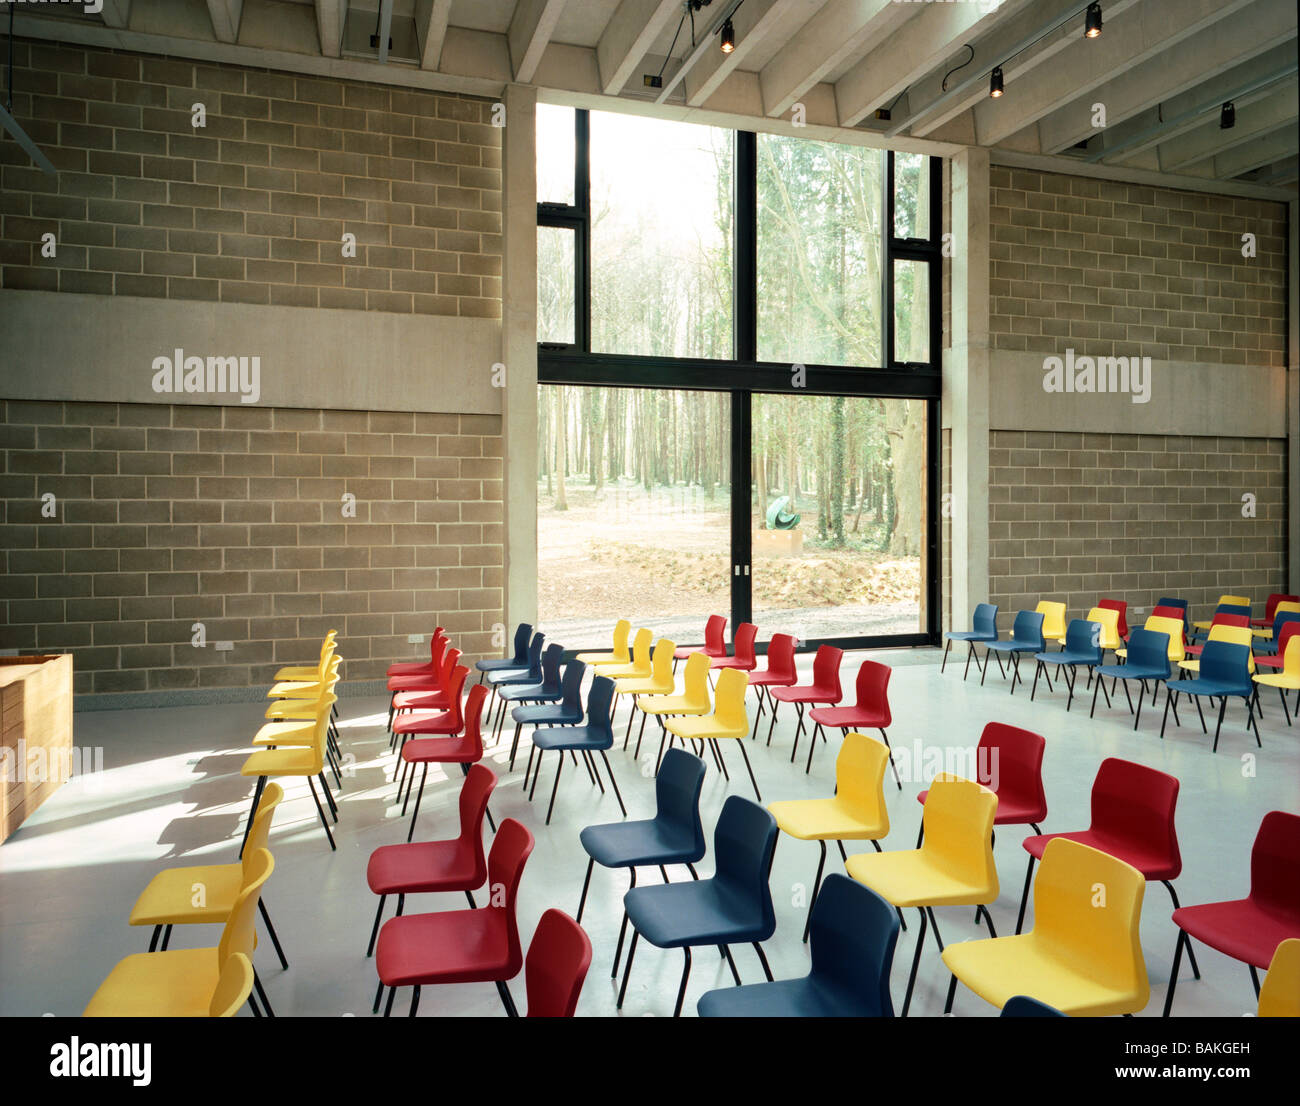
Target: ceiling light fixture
(1227, 116)
(995, 82)
(728, 36)
(1092, 21)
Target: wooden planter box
(36, 752)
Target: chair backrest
(1085, 638)
(1120, 606)
(234, 985)
(552, 659)
(1283, 618)
(1173, 628)
(746, 632)
(455, 708)
(557, 963)
(622, 631)
(535, 656)
(1291, 658)
(1108, 619)
(826, 669)
(853, 935)
(860, 778)
(1234, 601)
(695, 679)
(780, 656)
(1087, 906)
(1271, 603)
(478, 785)
(677, 796)
(1279, 994)
(715, 634)
(571, 686)
(1233, 608)
(1286, 635)
(1181, 604)
(744, 841)
(473, 717)
(1150, 648)
(437, 647)
(1022, 1006)
(599, 701)
(873, 689)
(1012, 766)
(239, 933)
(522, 633)
(1223, 619)
(1135, 803)
(661, 661)
(1227, 661)
(1241, 636)
(985, 620)
(1028, 628)
(1164, 610)
(1053, 618)
(641, 649)
(450, 659)
(958, 822)
(260, 834)
(729, 701)
(505, 867)
(1275, 865)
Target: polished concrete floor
(170, 793)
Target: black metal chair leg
(750, 769)
(916, 962)
(622, 930)
(1191, 955)
(153, 941)
(586, 883)
(726, 955)
(506, 1000)
(613, 782)
(374, 933)
(817, 883)
(257, 798)
(627, 969)
(559, 767)
(424, 775)
(1173, 975)
(943, 664)
(323, 821)
(686, 974)
(952, 993)
(762, 958)
(270, 930)
(261, 995)
(1024, 897)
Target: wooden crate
(35, 721)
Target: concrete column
(1293, 399)
(966, 383)
(519, 352)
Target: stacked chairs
(596, 736)
(546, 690)
(523, 634)
(416, 675)
(871, 711)
(567, 712)
(984, 628)
(780, 672)
(425, 693)
(446, 722)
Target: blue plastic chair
(984, 627)
(1266, 647)
(1082, 647)
(529, 673)
(1171, 601)
(1148, 659)
(854, 932)
(595, 737)
(1026, 637)
(567, 712)
(675, 835)
(733, 907)
(1022, 1006)
(518, 660)
(546, 689)
(1225, 672)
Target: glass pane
(839, 495)
(911, 311)
(819, 252)
(911, 196)
(555, 258)
(555, 154)
(661, 215)
(633, 511)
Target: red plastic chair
(464, 750)
(427, 867)
(424, 692)
(1239, 620)
(1122, 607)
(825, 688)
(1289, 629)
(1132, 820)
(780, 672)
(715, 641)
(1270, 608)
(461, 946)
(871, 711)
(1250, 929)
(415, 668)
(431, 723)
(556, 967)
(426, 681)
(745, 658)
(1009, 762)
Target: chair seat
(969, 635)
(771, 679)
(530, 693)
(1013, 646)
(625, 672)
(421, 700)
(732, 662)
(1202, 686)
(683, 652)
(1266, 661)
(805, 694)
(453, 946)
(1132, 672)
(441, 750)
(649, 686)
(515, 674)
(173, 984)
(295, 689)
(424, 681)
(786, 998)
(672, 704)
(1012, 809)
(1238, 928)
(1062, 657)
(1000, 968)
(1152, 864)
(292, 709)
(426, 722)
(838, 718)
(550, 713)
(169, 897)
(600, 658)
(410, 668)
(1291, 683)
(706, 728)
(286, 733)
(574, 737)
(823, 820)
(908, 878)
(632, 844)
(308, 672)
(285, 761)
(496, 664)
(420, 868)
(675, 915)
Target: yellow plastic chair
(1161, 625)
(1282, 608)
(309, 688)
(953, 867)
(659, 682)
(728, 720)
(1224, 601)
(1289, 678)
(289, 760)
(692, 702)
(640, 668)
(173, 896)
(234, 987)
(309, 671)
(1083, 956)
(1053, 618)
(620, 655)
(856, 812)
(1279, 994)
(1108, 619)
(1238, 635)
(293, 721)
(187, 983)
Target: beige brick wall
(253, 207)
(1080, 260)
(1078, 517)
(233, 516)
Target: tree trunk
(561, 451)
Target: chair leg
(916, 962)
(270, 931)
(897, 779)
(323, 821)
(970, 652)
(640, 733)
(374, 933)
(772, 723)
(817, 883)
(257, 798)
(418, 796)
(586, 883)
(166, 938)
(614, 783)
(1254, 976)
(559, 767)
(762, 958)
(1095, 688)
(988, 918)
(943, 664)
(726, 955)
(415, 1001)
(952, 993)
(1038, 669)
(750, 769)
(1223, 706)
(1183, 939)
(506, 1000)
(622, 930)
(1024, 896)
(261, 995)
(627, 969)
(537, 772)
(1191, 956)
(686, 974)
(717, 756)
(1015, 671)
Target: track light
(995, 82)
(1092, 21)
(1227, 116)
(728, 36)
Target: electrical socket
(415, 639)
(1139, 610)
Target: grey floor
(171, 794)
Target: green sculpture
(778, 518)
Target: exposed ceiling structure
(1143, 100)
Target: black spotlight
(1092, 21)
(728, 36)
(1227, 116)
(995, 82)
